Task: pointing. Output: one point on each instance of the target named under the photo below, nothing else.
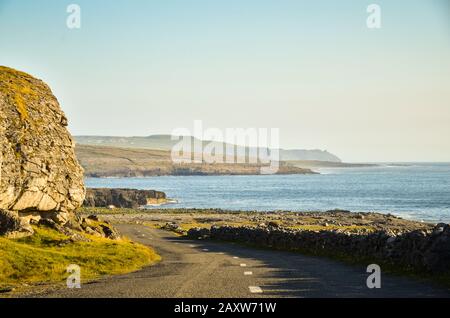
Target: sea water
(415, 191)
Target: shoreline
(331, 219)
(169, 206)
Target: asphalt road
(194, 269)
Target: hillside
(101, 161)
(165, 142)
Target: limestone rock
(39, 171)
(12, 226)
(122, 198)
(93, 226)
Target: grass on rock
(16, 87)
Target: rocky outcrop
(122, 198)
(90, 225)
(40, 176)
(12, 226)
(420, 249)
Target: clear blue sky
(311, 68)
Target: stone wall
(418, 250)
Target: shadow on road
(290, 274)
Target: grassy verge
(44, 257)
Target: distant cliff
(123, 198)
(308, 155)
(99, 161)
(165, 142)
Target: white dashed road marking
(205, 250)
(248, 273)
(235, 257)
(255, 290)
(243, 265)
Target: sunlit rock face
(40, 176)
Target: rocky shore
(339, 220)
(123, 198)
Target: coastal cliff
(167, 142)
(101, 161)
(40, 175)
(122, 198)
(41, 186)
(41, 181)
